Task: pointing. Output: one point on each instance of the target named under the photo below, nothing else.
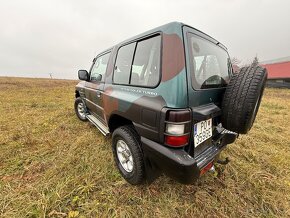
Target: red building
(278, 72)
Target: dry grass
(52, 164)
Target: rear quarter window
(138, 63)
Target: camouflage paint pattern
(133, 102)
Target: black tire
(132, 139)
(79, 102)
(242, 98)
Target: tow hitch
(223, 162)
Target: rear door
(208, 69)
(94, 88)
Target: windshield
(209, 64)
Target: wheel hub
(124, 156)
(81, 110)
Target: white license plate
(202, 131)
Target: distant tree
(255, 61)
(235, 63)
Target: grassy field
(53, 165)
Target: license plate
(202, 131)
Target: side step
(98, 124)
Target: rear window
(209, 64)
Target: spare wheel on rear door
(242, 98)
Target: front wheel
(128, 154)
(80, 109)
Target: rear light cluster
(177, 128)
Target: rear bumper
(177, 163)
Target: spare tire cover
(242, 98)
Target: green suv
(170, 101)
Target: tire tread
(133, 140)
(244, 90)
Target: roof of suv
(168, 27)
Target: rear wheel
(242, 98)
(128, 154)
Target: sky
(59, 37)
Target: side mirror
(83, 75)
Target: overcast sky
(62, 36)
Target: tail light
(177, 128)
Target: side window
(145, 69)
(99, 68)
(123, 64)
(146, 64)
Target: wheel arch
(117, 120)
(77, 94)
